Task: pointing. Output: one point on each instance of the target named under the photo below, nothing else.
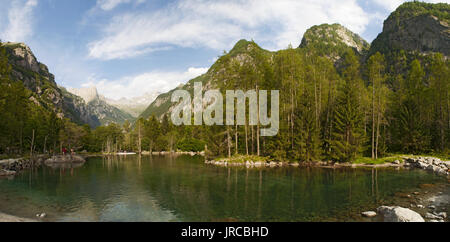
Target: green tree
(348, 133)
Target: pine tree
(348, 133)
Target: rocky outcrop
(333, 40)
(20, 164)
(399, 214)
(430, 164)
(416, 27)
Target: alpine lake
(183, 188)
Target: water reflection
(182, 188)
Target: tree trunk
(257, 128)
(378, 126)
(373, 120)
(253, 140)
(32, 144)
(246, 137)
(45, 144)
(236, 138)
(139, 138)
(229, 141)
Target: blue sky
(129, 47)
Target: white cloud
(107, 5)
(391, 5)
(19, 21)
(219, 24)
(138, 85)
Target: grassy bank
(243, 159)
(360, 160)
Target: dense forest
(332, 107)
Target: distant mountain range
(130, 106)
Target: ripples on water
(182, 188)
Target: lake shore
(426, 163)
(430, 201)
(12, 219)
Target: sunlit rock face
(88, 94)
(99, 107)
(332, 40)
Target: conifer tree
(348, 133)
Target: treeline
(394, 104)
(369, 109)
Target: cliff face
(416, 27)
(35, 77)
(81, 113)
(97, 106)
(45, 92)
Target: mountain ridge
(36, 77)
(316, 40)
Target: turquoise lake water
(183, 188)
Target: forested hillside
(340, 98)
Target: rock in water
(369, 214)
(399, 214)
(7, 173)
(65, 159)
(432, 216)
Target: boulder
(399, 214)
(442, 214)
(431, 216)
(369, 214)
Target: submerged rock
(7, 173)
(399, 214)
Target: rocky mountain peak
(88, 94)
(24, 56)
(333, 36)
